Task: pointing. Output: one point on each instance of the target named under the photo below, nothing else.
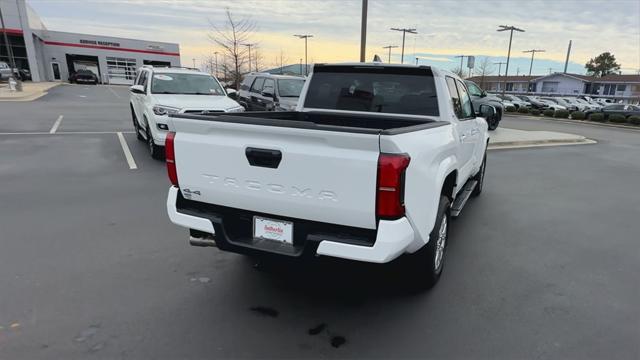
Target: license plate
(276, 230)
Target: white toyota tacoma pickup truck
(371, 166)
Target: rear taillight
(390, 186)
(170, 157)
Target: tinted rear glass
(373, 90)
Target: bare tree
(485, 68)
(230, 38)
(459, 71)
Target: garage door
(121, 71)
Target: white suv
(159, 92)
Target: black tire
(154, 150)
(493, 124)
(479, 177)
(423, 268)
(136, 126)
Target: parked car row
(582, 103)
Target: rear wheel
(424, 267)
(136, 126)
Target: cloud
(462, 27)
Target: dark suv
(267, 92)
(480, 97)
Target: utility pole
(566, 62)
(390, 47)
(306, 65)
(461, 61)
(500, 63)
(404, 32)
(249, 46)
(12, 61)
(194, 63)
(363, 31)
(511, 29)
(300, 66)
(533, 52)
(416, 61)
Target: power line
(533, 52)
(511, 29)
(305, 37)
(390, 47)
(404, 32)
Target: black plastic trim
(299, 120)
(234, 230)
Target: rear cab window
(373, 89)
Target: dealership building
(54, 55)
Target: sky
(445, 29)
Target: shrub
(564, 114)
(635, 120)
(523, 110)
(617, 118)
(599, 117)
(535, 112)
(578, 115)
(549, 112)
(510, 109)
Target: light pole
(12, 61)
(390, 47)
(533, 52)
(306, 65)
(404, 32)
(249, 46)
(511, 29)
(194, 63)
(363, 31)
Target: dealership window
(622, 88)
(509, 86)
(121, 70)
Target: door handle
(267, 158)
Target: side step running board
(462, 197)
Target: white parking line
(127, 152)
(68, 133)
(54, 128)
(113, 92)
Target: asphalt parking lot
(545, 264)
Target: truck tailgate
(324, 176)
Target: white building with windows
(54, 55)
(621, 87)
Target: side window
(257, 85)
(269, 85)
(465, 101)
(246, 83)
(455, 99)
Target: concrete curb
(31, 96)
(570, 121)
(539, 143)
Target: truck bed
(328, 121)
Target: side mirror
(232, 93)
(137, 89)
(487, 111)
(483, 94)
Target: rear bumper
(232, 231)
